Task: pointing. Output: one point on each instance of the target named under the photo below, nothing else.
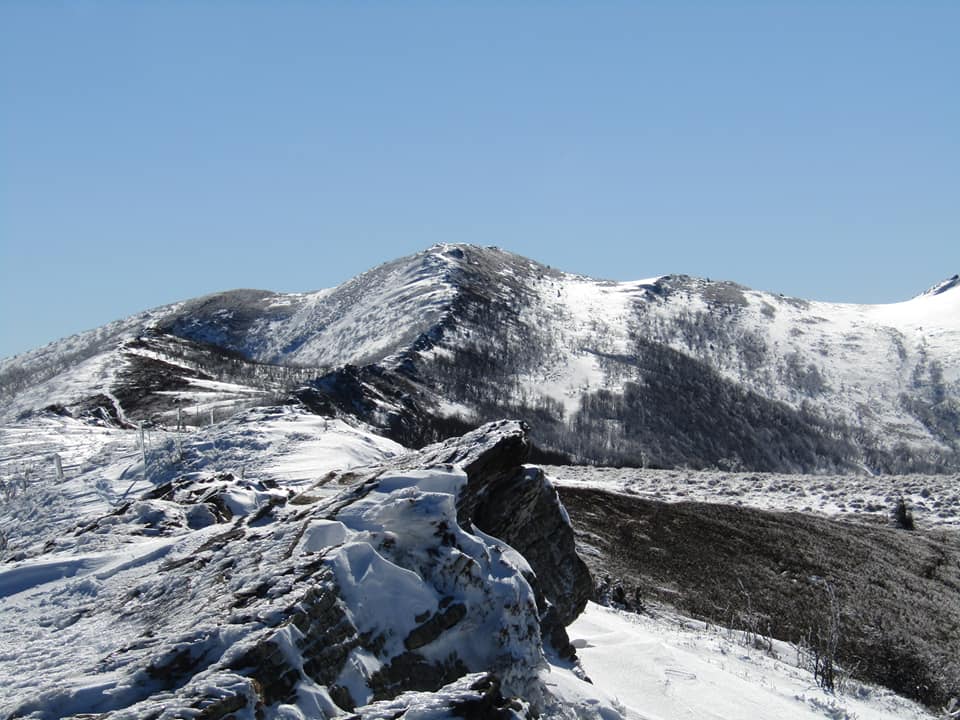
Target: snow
(866, 356)
(100, 466)
(445, 408)
(671, 668)
(65, 369)
(395, 533)
(931, 321)
(103, 466)
(862, 358)
(40, 573)
(89, 377)
(58, 634)
(306, 447)
(587, 318)
(320, 534)
(384, 597)
(397, 553)
(579, 697)
(17, 579)
(869, 352)
(288, 445)
(363, 320)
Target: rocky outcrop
(396, 405)
(520, 506)
(523, 510)
(472, 697)
(415, 585)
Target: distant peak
(942, 287)
(458, 250)
(445, 248)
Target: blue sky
(151, 152)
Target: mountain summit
(666, 371)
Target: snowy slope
(667, 667)
(852, 362)
(74, 367)
(363, 320)
(103, 467)
(368, 318)
(880, 383)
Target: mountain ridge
(217, 297)
(609, 372)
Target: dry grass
(898, 591)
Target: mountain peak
(943, 286)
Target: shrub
(902, 515)
(823, 643)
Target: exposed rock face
(522, 509)
(389, 401)
(355, 603)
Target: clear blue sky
(151, 152)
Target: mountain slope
(361, 321)
(666, 372)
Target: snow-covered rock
(225, 597)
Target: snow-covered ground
(366, 318)
(100, 466)
(57, 568)
(56, 579)
(852, 361)
(103, 466)
(934, 500)
(93, 608)
(667, 667)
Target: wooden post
(143, 449)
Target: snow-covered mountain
(263, 505)
(665, 372)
